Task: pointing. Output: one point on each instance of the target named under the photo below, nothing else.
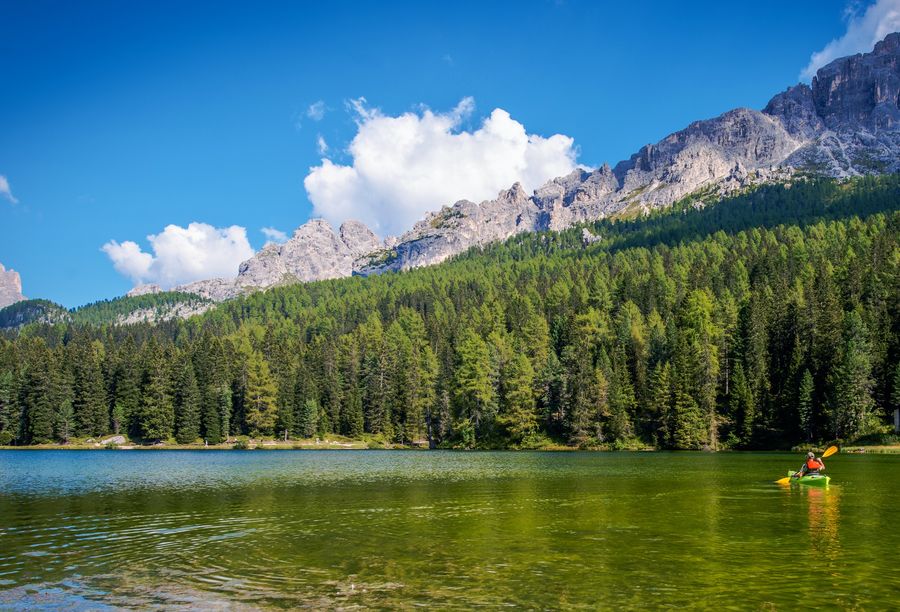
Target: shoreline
(361, 445)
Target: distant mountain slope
(844, 124)
(147, 308)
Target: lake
(383, 529)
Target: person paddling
(812, 465)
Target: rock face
(846, 123)
(10, 287)
(144, 290)
(454, 229)
(314, 252)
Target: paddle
(828, 453)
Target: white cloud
(6, 192)
(182, 255)
(321, 145)
(274, 235)
(316, 110)
(863, 31)
(407, 165)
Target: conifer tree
(36, 396)
(126, 389)
(517, 411)
(852, 405)
(660, 403)
(308, 419)
(186, 402)
(743, 405)
(475, 399)
(10, 414)
(156, 414)
(805, 404)
(352, 422)
(261, 396)
(89, 401)
(622, 402)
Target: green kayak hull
(813, 480)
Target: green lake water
(377, 529)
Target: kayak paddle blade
(829, 451)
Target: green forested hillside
(762, 321)
(152, 307)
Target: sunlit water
(261, 529)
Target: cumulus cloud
(863, 31)
(316, 110)
(182, 254)
(274, 235)
(407, 165)
(6, 192)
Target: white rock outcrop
(10, 287)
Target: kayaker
(812, 465)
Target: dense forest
(760, 321)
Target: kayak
(814, 480)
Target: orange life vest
(813, 464)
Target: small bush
(241, 445)
(6, 438)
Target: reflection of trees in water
(824, 518)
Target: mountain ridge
(845, 123)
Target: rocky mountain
(845, 123)
(314, 252)
(10, 287)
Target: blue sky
(120, 118)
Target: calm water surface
(267, 529)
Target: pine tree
(186, 402)
(374, 375)
(36, 396)
(805, 404)
(474, 398)
(64, 420)
(216, 413)
(261, 396)
(852, 406)
(308, 419)
(517, 410)
(156, 414)
(61, 395)
(353, 420)
(702, 336)
(330, 387)
(90, 401)
(10, 414)
(660, 402)
(126, 389)
(743, 405)
(622, 402)
(688, 432)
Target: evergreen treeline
(762, 321)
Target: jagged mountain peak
(844, 123)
